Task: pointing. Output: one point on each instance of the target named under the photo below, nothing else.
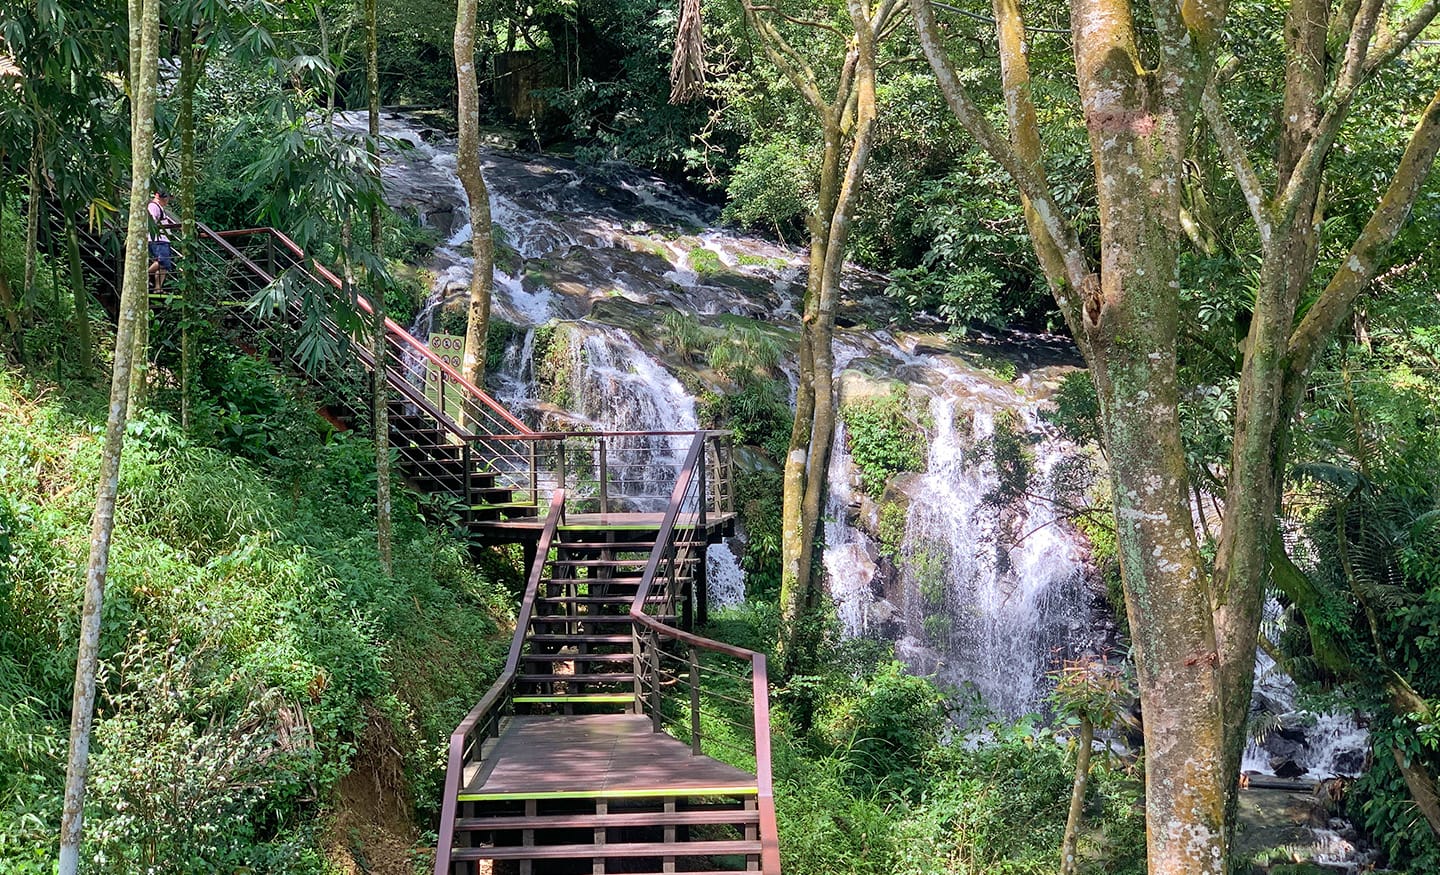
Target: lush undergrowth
(252, 649)
(878, 773)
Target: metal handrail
(391, 327)
(461, 743)
(643, 624)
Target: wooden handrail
(455, 764)
(759, 677)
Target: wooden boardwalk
(612, 756)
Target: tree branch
(1397, 41)
(803, 22)
(1077, 278)
(790, 63)
(1364, 259)
(1312, 158)
(1240, 164)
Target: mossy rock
(857, 385)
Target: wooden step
(640, 562)
(579, 639)
(577, 657)
(616, 849)
(587, 619)
(622, 600)
(576, 678)
(572, 699)
(588, 821)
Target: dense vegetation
(253, 653)
(245, 581)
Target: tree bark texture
(145, 35)
(83, 340)
(846, 124)
(1069, 849)
(191, 63)
(1195, 631)
(467, 166)
(376, 289)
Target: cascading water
(584, 237)
(993, 593)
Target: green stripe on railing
(649, 793)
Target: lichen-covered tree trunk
(34, 183)
(144, 41)
(191, 63)
(796, 575)
(83, 340)
(376, 289)
(846, 124)
(467, 166)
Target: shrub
(883, 440)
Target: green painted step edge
(597, 698)
(748, 790)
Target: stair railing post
(469, 478)
(604, 477)
(654, 640)
(534, 471)
(560, 463)
(702, 587)
(694, 701)
(639, 669)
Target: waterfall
(621, 389)
(848, 561)
(997, 598)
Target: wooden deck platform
(597, 756)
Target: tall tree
(144, 42)
(376, 288)
(467, 166)
(844, 38)
(1195, 625)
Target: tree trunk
(1069, 859)
(467, 166)
(796, 536)
(83, 340)
(32, 226)
(191, 63)
(9, 306)
(144, 31)
(376, 289)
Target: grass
(244, 590)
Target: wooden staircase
(614, 740)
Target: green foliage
(892, 529)
(705, 262)
(555, 365)
(1008, 448)
(249, 634)
(757, 499)
(1076, 409)
(884, 439)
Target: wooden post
(604, 478)
(639, 668)
(694, 702)
(654, 641)
(702, 586)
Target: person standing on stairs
(162, 257)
